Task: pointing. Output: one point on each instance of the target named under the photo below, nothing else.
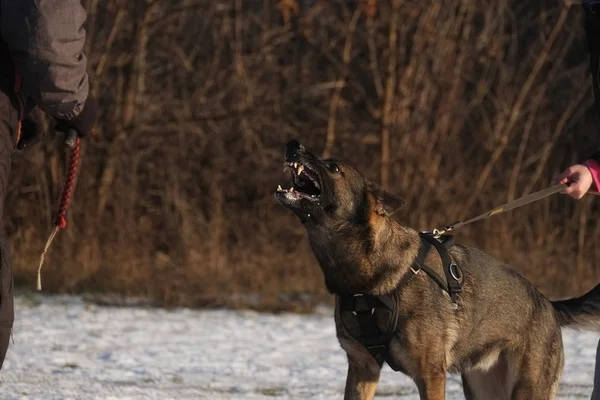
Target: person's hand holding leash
(85, 120)
(579, 180)
(82, 125)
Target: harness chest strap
(366, 308)
(454, 276)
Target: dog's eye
(334, 168)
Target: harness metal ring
(455, 272)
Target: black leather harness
(367, 308)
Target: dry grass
(458, 108)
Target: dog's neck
(367, 258)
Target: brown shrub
(457, 107)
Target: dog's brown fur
(504, 337)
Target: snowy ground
(65, 348)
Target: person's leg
(9, 120)
(6, 295)
(9, 125)
(592, 30)
(596, 389)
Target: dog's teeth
(295, 165)
(279, 188)
(300, 169)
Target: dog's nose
(292, 148)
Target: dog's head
(329, 192)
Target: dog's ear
(387, 203)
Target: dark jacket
(592, 32)
(46, 38)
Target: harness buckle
(438, 232)
(376, 346)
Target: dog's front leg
(432, 386)
(362, 379)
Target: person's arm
(593, 166)
(47, 38)
(585, 176)
(592, 33)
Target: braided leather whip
(72, 140)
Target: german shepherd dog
(502, 335)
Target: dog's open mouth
(305, 182)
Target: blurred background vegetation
(457, 106)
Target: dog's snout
(292, 148)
